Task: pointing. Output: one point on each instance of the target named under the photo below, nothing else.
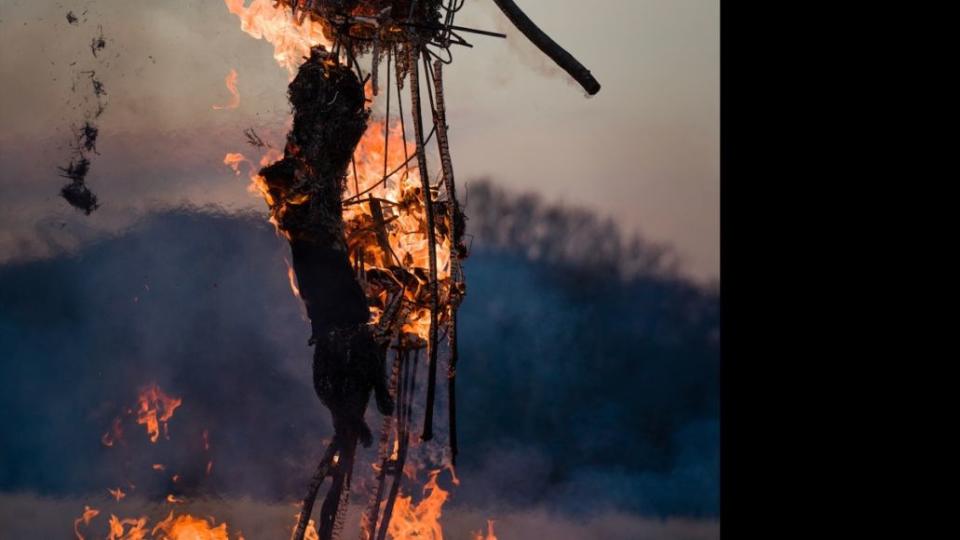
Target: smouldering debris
(77, 169)
(76, 193)
(79, 196)
(254, 139)
(88, 137)
(98, 43)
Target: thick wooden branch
(549, 47)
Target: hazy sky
(645, 150)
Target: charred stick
(455, 217)
(428, 26)
(403, 437)
(322, 469)
(380, 227)
(334, 505)
(549, 47)
(369, 524)
(431, 238)
(452, 388)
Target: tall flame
(291, 41)
(420, 520)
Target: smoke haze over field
(573, 381)
(581, 396)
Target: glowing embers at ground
(187, 527)
(85, 518)
(155, 408)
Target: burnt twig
(549, 47)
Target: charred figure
(305, 189)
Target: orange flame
(291, 41)
(85, 518)
(119, 531)
(187, 527)
(384, 225)
(420, 520)
(490, 534)
(155, 410)
(402, 205)
(310, 533)
(231, 82)
(293, 279)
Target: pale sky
(645, 150)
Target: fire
(155, 410)
(420, 520)
(293, 279)
(310, 533)
(291, 41)
(405, 253)
(401, 213)
(115, 434)
(85, 518)
(384, 216)
(231, 82)
(119, 530)
(187, 527)
(490, 534)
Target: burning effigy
(377, 244)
